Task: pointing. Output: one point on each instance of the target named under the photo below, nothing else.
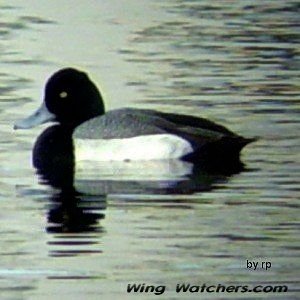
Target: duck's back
(121, 123)
(130, 122)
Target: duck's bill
(42, 115)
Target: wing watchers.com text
(184, 288)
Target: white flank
(148, 147)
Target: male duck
(73, 100)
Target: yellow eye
(63, 95)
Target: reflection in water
(152, 177)
(70, 211)
(71, 214)
(235, 62)
(78, 204)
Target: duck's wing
(126, 123)
(122, 123)
(189, 121)
(201, 130)
(197, 122)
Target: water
(235, 62)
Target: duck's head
(70, 99)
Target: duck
(75, 104)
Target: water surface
(235, 62)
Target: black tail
(221, 154)
(228, 147)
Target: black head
(72, 97)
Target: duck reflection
(82, 187)
(70, 210)
(149, 177)
(78, 202)
(73, 213)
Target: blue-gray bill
(42, 115)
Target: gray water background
(235, 62)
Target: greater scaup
(73, 100)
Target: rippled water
(235, 62)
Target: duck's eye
(63, 94)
